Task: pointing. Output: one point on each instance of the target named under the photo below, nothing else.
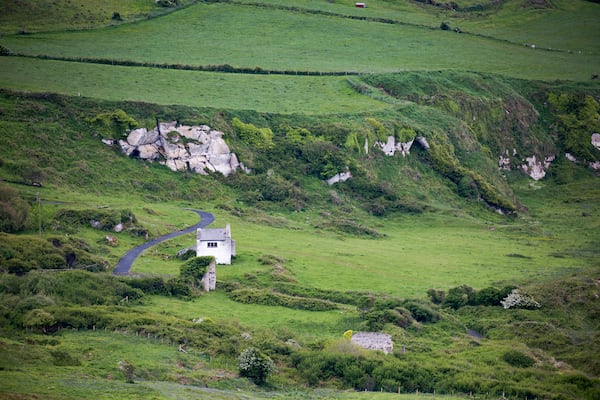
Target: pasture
(326, 241)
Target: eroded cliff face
(182, 147)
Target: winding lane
(124, 264)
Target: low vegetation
(486, 280)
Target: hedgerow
(271, 298)
(21, 254)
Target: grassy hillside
(427, 248)
(218, 34)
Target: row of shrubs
(373, 371)
(106, 219)
(21, 254)
(465, 295)
(208, 68)
(271, 298)
(377, 312)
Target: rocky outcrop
(596, 140)
(535, 168)
(341, 177)
(391, 146)
(183, 147)
(373, 341)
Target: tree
(255, 365)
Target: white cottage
(217, 243)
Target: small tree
(255, 365)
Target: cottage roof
(217, 234)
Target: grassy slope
(558, 236)
(268, 93)
(43, 15)
(223, 33)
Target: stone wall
(374, 341)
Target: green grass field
(472, 94)
(264, 93)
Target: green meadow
(270, 93)
(426, 247)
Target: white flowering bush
(516, 299)
(255, 365)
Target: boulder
(126, 147)
(537, 169)
(196, 149)
(189, 132)
(202, 150)
(388, 148)
(341, 177)
(504, 163)
(165, 127)
(198, 164)
(142, 136)
(423, 142)
(404, 148)
(221, 163)
(174, 151)
(148, 152)
(176, 165)
(596, 140)
(218, 146)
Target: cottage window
(212, 244)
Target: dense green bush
(376, 319)
(113, 125)
(148, 285)
(577, 117)
(13, 210)
(21, 254)
(354, 298)
(259, 138)
(363, 371)
(271, 298)
(436, 296)
(324, 159)
(458, 296)
(422, 311)
(194, 269)
(518, 359)
(105, 219)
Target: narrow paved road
(124, 264)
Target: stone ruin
(373, 341)
(182, 147)
(209, 279)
